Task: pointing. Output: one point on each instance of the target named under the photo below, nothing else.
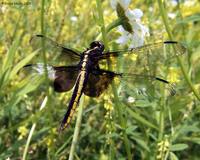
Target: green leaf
(8, 60)
(193, 18)
(22, 63)
(131, 129)
(4, 77)
(178, 147)
(28, 85)
(192, 139)
(143, 144)
(144, 103)
(140, 119)
(173, 156)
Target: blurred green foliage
(155, 129)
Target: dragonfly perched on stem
(86, 73)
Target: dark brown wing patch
(65, 78)
(98, 82)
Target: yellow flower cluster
(23, 132)
(134, 57)
(108, 106)
(82, 6)
(190, 8)
(48, 141)
(163, 147)
(173, 75)
(54, 7)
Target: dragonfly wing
(149, 85)
(55, 51)
(63, 78)
(128, 84)
(98, 82)
(168, 48)
(152, 60)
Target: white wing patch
(39, 68)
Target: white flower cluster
(136, 34)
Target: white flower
(73, 18)
(135, 14)
(3, 9)
(174, 2)
(131, 99)
(189, 3)
(136, 38)
(123, 3)
(133, 35)
(171, 15)
(124, 36)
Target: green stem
(162, 116)
(33, 129)
(116, 99)
(43, 42)
(28, 141)
(112, 25)
(77, 129)
(102, 25)
(183, 69)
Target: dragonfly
(87, 72)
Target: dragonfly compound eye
(97, 44)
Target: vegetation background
(30, 115)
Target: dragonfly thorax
(97, 45)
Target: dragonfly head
(99, 46)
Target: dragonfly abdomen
(78, 90)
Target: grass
(107, 127)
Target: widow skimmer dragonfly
(87, 76)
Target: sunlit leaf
(178, 147)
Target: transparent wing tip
(181, 49)
(171, 89)
(34, 40)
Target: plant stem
(28, 141)
(183, 69)
(116, 99)
(162, 116)
(109, 27)
(32, 130)
(43, 42)
(102, 25)
(77, 129)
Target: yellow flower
(190, 8)
(103, 156)
(173, 75)
(2, 49)
(80, 6)
(54, 7)
(54, 130)
(48, 142)
(134, 57)
(23, 132)
(163, 147)
(108, 106)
